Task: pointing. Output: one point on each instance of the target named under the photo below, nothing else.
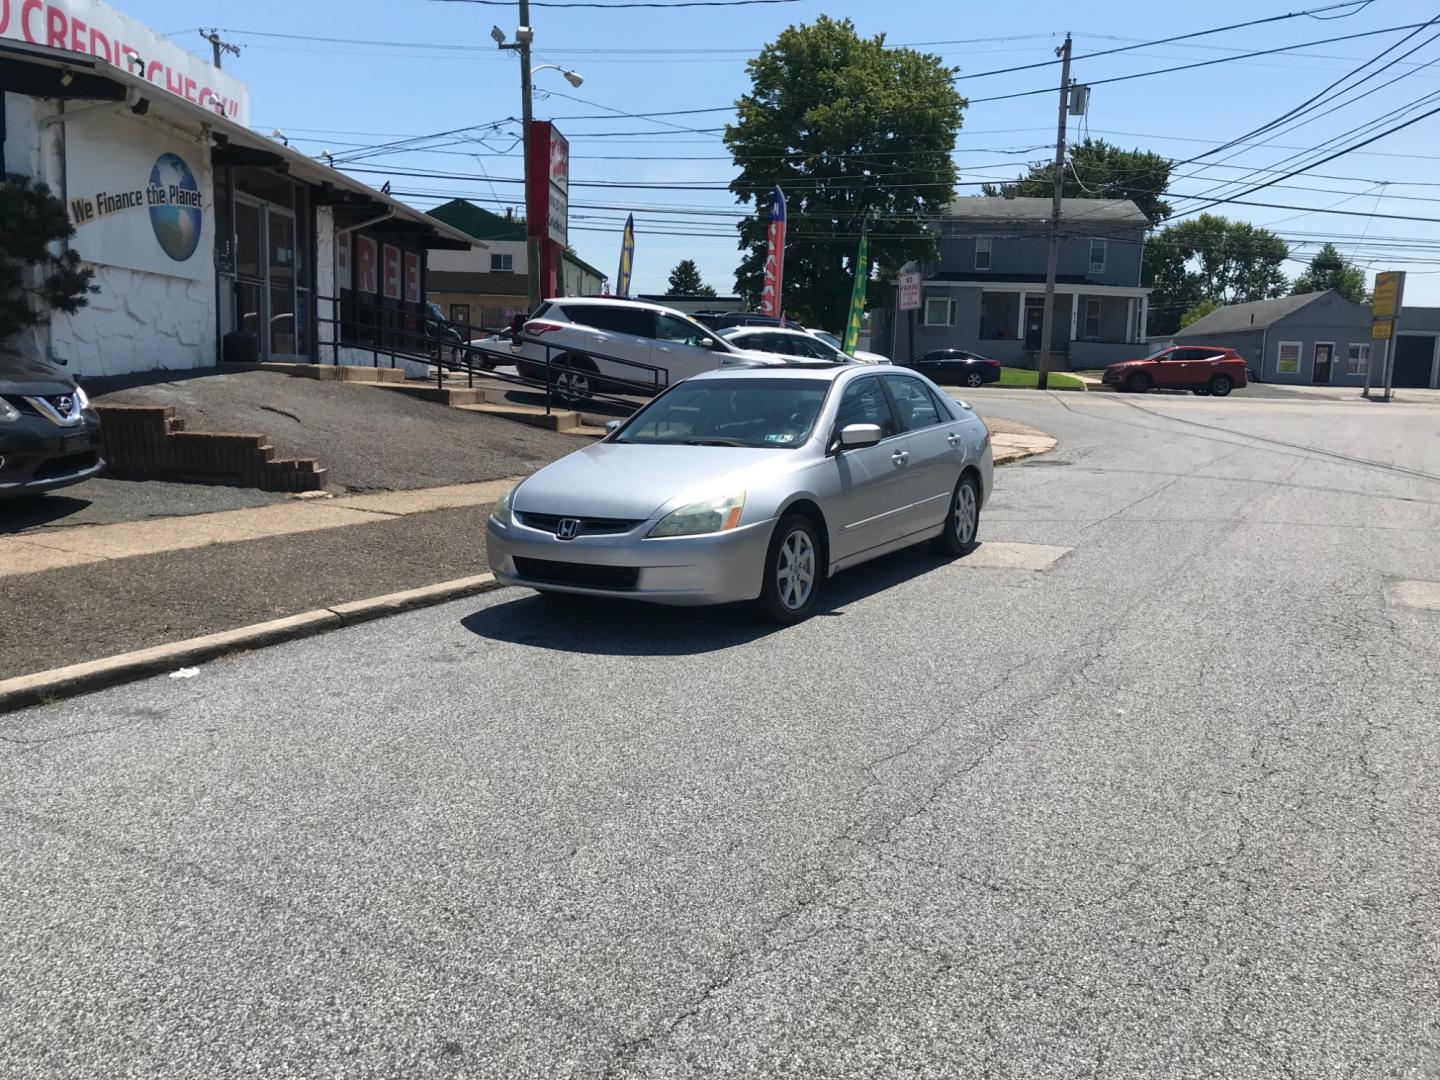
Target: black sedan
(956, 367)
(49, 435)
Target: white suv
(600, 344)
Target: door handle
(953, 439)
(900, 457)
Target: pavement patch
(1416, 594)
(999, 556)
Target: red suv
(1202, 369)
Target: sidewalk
(82, 593)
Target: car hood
(870, 357)
(1126, 364)
(752, 357)
(33, 378)
(631, 480)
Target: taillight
(538, 328)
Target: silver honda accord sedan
(750, 484)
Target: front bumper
(719, 568)
(36, 455)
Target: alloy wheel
(572, 385)
(973, 379)
(966, 515)
(795, 569)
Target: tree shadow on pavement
(603, 627)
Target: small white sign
(909, 292)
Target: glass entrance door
(266, 277)
(280, 244)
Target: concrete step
(565, 421)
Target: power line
(1358, 5)
(1201, 63)
(621, 4)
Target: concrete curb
(46, 686)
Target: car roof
(614, 301)
(822, 371)
(737, 331)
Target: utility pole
(1047, 324)
(524, 35)
(220, 45)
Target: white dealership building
(207, 239)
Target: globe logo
(175, 207)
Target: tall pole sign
(1385, 308)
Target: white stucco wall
(137, 321)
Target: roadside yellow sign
(1387, 296)
(1380, 329)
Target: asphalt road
(1168, 808)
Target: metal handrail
(447, 355)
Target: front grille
(549, 572)
(64, 466)
(588, 526)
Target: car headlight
(8, 411)
(82, 398)
(709, 516)
(502, 511)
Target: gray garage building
(1319, 339)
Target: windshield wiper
(716, 442)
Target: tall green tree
(1211, 258)
(1097, 169)
(850, 130)
(685, 280)
(1331, 270)
(33, 280)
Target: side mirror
(612, 426)
(859, 436)
(707, 343)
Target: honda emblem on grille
(567, 529)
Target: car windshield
(829, 339)
(771, 413)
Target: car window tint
(943, 405)
(810, 348)
(680, 331)
(774, 413)
(865, 402)
(912, 399)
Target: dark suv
(49, 434)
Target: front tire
(1139, 383)
(1220, 386)
(791, 585)
(961, 533)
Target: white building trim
(1023, 287)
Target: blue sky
(439, 70)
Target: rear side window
(617, 320)
(913, 401)
(865, 402)
(943, 405)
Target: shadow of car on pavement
(603, 627)
(21, 512)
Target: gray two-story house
(986, 292)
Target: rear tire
(790, 586)
(961, 532)
(1220, 386)
(974, 379)
(573, 379)
(1139, 383)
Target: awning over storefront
(84, 81)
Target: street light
(574, 78)
(524, 36)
